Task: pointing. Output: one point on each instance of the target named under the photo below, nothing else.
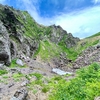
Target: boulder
(21, 94)
(60, 72)
(19, 62)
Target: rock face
(5, 55)
(12, 41)
(59, 35)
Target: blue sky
(79, 17)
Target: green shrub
(86, 86)
(45, 89)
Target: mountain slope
(25, 35)
(31, 51)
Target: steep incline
(24, 37)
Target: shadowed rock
(4, 58)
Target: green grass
(38, 81)
(86, 86)
(17, 76)
(48, 31)
(48, 50)
(2, 72)
(45, 89)
(38, 75)
(35, 91)
(5, 77)
(31, 28)
(13, 63)
(57, 78)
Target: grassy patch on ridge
(48, 50)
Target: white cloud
(96, 1)
(81, 23)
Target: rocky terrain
(29, 54)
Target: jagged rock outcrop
(59, 35)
